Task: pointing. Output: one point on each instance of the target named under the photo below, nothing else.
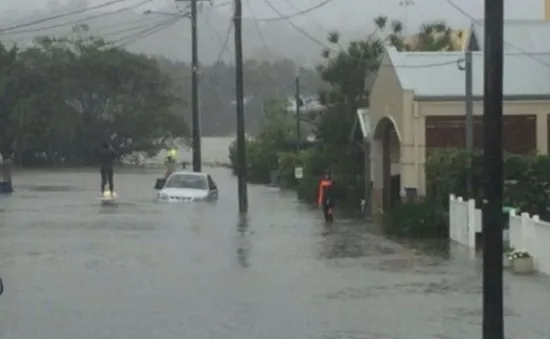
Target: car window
(187, 181)
(211, 183)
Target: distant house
(310, 108)
(308, 104)
(417, 104)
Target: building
(417, 103)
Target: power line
(314, 22)
(132, 38)
(290, 16)
(72, 23)
(224, 41)
(128, 40)
(305, 33)
(58, 16)
(322, 44)
(224, 44)
(121, 31)
(267, 50)
(77, 22)
(117, 25)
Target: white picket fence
(526, 233)
(464, 221)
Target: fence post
(524, 231)
(452, 217)
(472, 227)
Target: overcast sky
(348, 13)
(351, 17)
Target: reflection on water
(243, 240)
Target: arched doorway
(387, 162)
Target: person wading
(325, 196)
(107, 156)
(170, 163)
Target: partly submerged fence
(525, 232)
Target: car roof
(198, 174)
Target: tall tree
(63, 97)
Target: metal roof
(531, 36)
(525, 75)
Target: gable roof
(532, 36)
(525, 75)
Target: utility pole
(239, 93)
(493, 318)
(469, 120)
(195, 114)
(298, 102)
(469, 108)
(469, 104)
(197, 157)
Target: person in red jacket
(325, 196)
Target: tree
(275, 136)
(264, 81)
(62, 97)
(433, 37)
(8, 61)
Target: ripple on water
(441, 287)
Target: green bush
(346, 170)
(287, 163)
(262, 153)
(416, 220)
(260, 161)
(526, 178)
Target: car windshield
(187, 181)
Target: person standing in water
(107, 156)
(170, 163)
(325, 196)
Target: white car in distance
(188, 187)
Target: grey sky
(352, 17)
(352, 13)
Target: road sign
(298, 172)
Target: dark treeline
(61, 97)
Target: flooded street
(73, 269)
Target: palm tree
(433, 37)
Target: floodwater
(73, 269)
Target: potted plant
(521, 262)
(506, 262)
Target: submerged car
(188, 187)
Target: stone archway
(387, 166)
